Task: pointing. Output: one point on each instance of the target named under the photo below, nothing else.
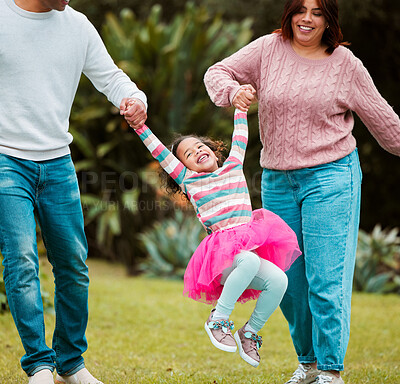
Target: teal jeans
(322, 205)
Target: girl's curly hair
(217, 146)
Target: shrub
(378, 261)
(170, 244)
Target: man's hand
(134, 112)
(244, 97)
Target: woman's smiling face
(196, 156)
(308, 25)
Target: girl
(246, 251)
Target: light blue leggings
(250, 271)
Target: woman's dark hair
(217, 146)
(332, 36)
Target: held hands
(134, 112)
(244, 97)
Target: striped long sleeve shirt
(221, 198)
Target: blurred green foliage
(168, 62)
(3, 298)
(378, 261)
(170, 244)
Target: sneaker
(249, 343)
(45, 376)
(304, 374)
(328, 378)
(83, 376)
(219, 332)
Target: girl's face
(196, 156)
(308, 25)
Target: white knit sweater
(42, 57)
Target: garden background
(133, 226)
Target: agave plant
(170, 244)
(378, 261)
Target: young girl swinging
(245, 253)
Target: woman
(307, 83)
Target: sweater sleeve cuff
(233, 93)
(140, 96)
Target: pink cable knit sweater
(305, 105)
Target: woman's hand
(134, 112)
(244, 97)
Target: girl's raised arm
(239, 137)
(162, 154)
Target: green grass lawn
(144, 331)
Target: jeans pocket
(343, 162)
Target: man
(45, 46)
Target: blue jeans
(322, 205)
(47, 191)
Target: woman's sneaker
(328, 378)
(45, 376)
(219, 332)
(83, 376)
(249, 343)
(304, 374)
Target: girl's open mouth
(202, 158)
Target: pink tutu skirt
(266, 234)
